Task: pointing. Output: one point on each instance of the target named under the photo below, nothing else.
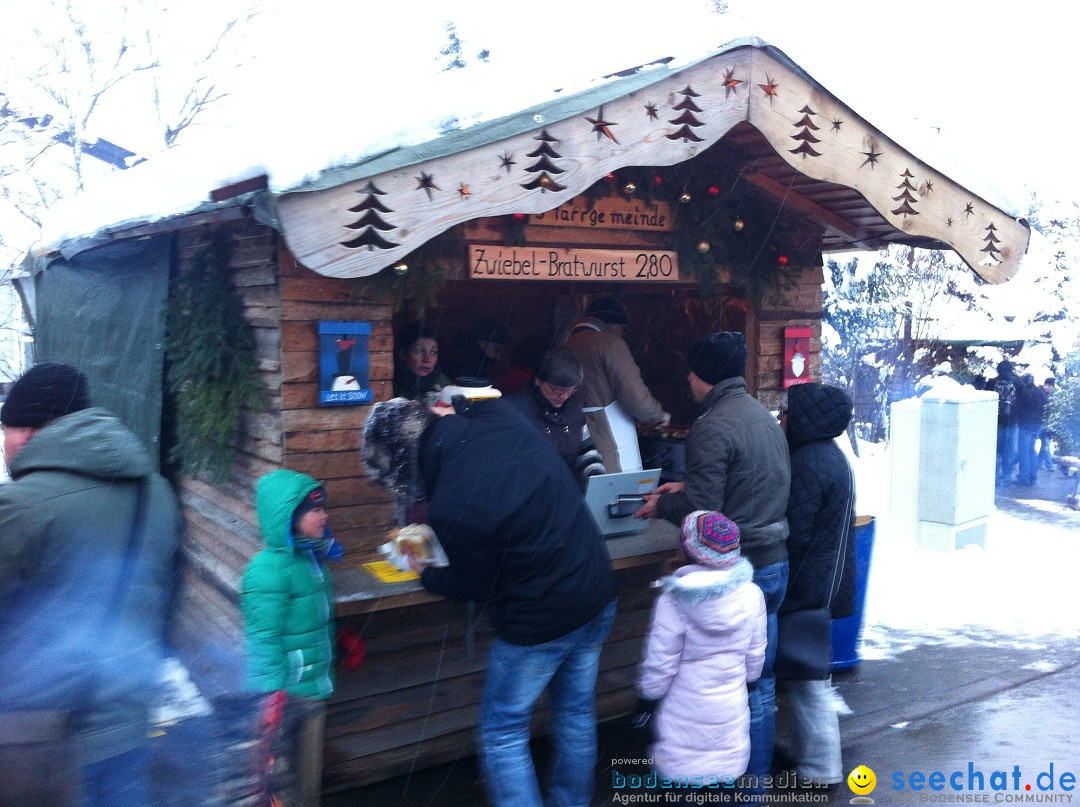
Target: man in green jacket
(83, 596)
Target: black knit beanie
(718, 356)
(44, 393)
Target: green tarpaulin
(104, 312)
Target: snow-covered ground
(1019, 590)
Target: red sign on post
(796, 356)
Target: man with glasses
(550, 402)
(612, 392)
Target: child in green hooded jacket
(287, 599)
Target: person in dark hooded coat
(521, 541)
(821, 554)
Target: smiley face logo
(862, 780)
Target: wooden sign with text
(561, 263)
(609, 213)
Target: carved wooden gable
(362, 226)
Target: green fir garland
(213, 370)
(418, 277)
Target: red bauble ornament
(781, 259)
(658, 180)
(518, 216)
(713, 190)
(609, 177)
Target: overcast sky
(973, 90)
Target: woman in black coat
(821, 554)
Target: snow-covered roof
(299, 166)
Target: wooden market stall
(702, 196)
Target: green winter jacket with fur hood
(287, 598)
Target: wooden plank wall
(221, 533)
(325, 441)
(414, 704)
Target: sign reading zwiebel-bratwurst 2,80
(562, 263)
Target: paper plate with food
(418, 540)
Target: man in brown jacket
(612, 394)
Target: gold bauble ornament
(703, 247)
(400, 268)
(738, 225)
(629, 188)
(685, 198)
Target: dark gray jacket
(737, 464)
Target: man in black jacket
(520, 540)
(821, 553)
(737, 464)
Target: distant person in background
(1006, 387)
(1031, 417)
(550, 403)
(1046, 459)
(417, 370)
(476, 352)
(612, 392)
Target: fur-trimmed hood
(695, 583)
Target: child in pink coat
(706, 643)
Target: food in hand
(415, 540)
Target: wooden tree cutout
(370, 222)
(544, 165)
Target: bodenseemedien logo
(862, 782)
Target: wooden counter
(414, 702)
(358, 592)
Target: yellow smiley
(862, 780)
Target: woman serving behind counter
(416, 365)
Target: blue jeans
(1028, 434)
(1046, 459)
(516, 677)
(772, 580)
(1007, 438)
(120, 781)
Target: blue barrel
(847, 631)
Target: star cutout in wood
(507, 160)
(836, 124)
(929, 186)
(871, 157)
(651, 111)
(464, 191)
(731, 84)
(948, 221)
(426, 183)
(772, 89)
(969, 209)
(601, 126)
